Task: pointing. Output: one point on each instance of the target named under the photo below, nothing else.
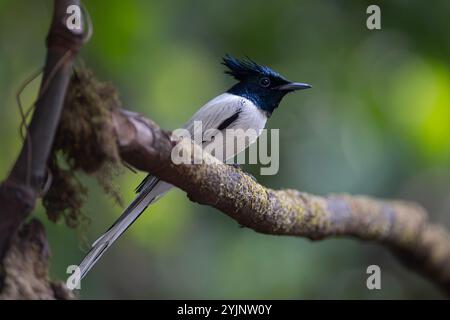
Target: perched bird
(246, 105)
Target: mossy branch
(401, 226)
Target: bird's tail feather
(127, 218)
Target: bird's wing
(227, 111)
(218, 113)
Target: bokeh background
(376, 122)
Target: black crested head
(243, 69)
(259, 83)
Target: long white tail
(145, 197)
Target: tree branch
(402, 226)
(24, 252)
(19, 192)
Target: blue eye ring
(264, 82)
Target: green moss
(84, 142)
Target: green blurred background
(376, 122)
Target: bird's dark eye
(264, 82)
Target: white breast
(251, 117)
(245, 130)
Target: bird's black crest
(241, 69)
